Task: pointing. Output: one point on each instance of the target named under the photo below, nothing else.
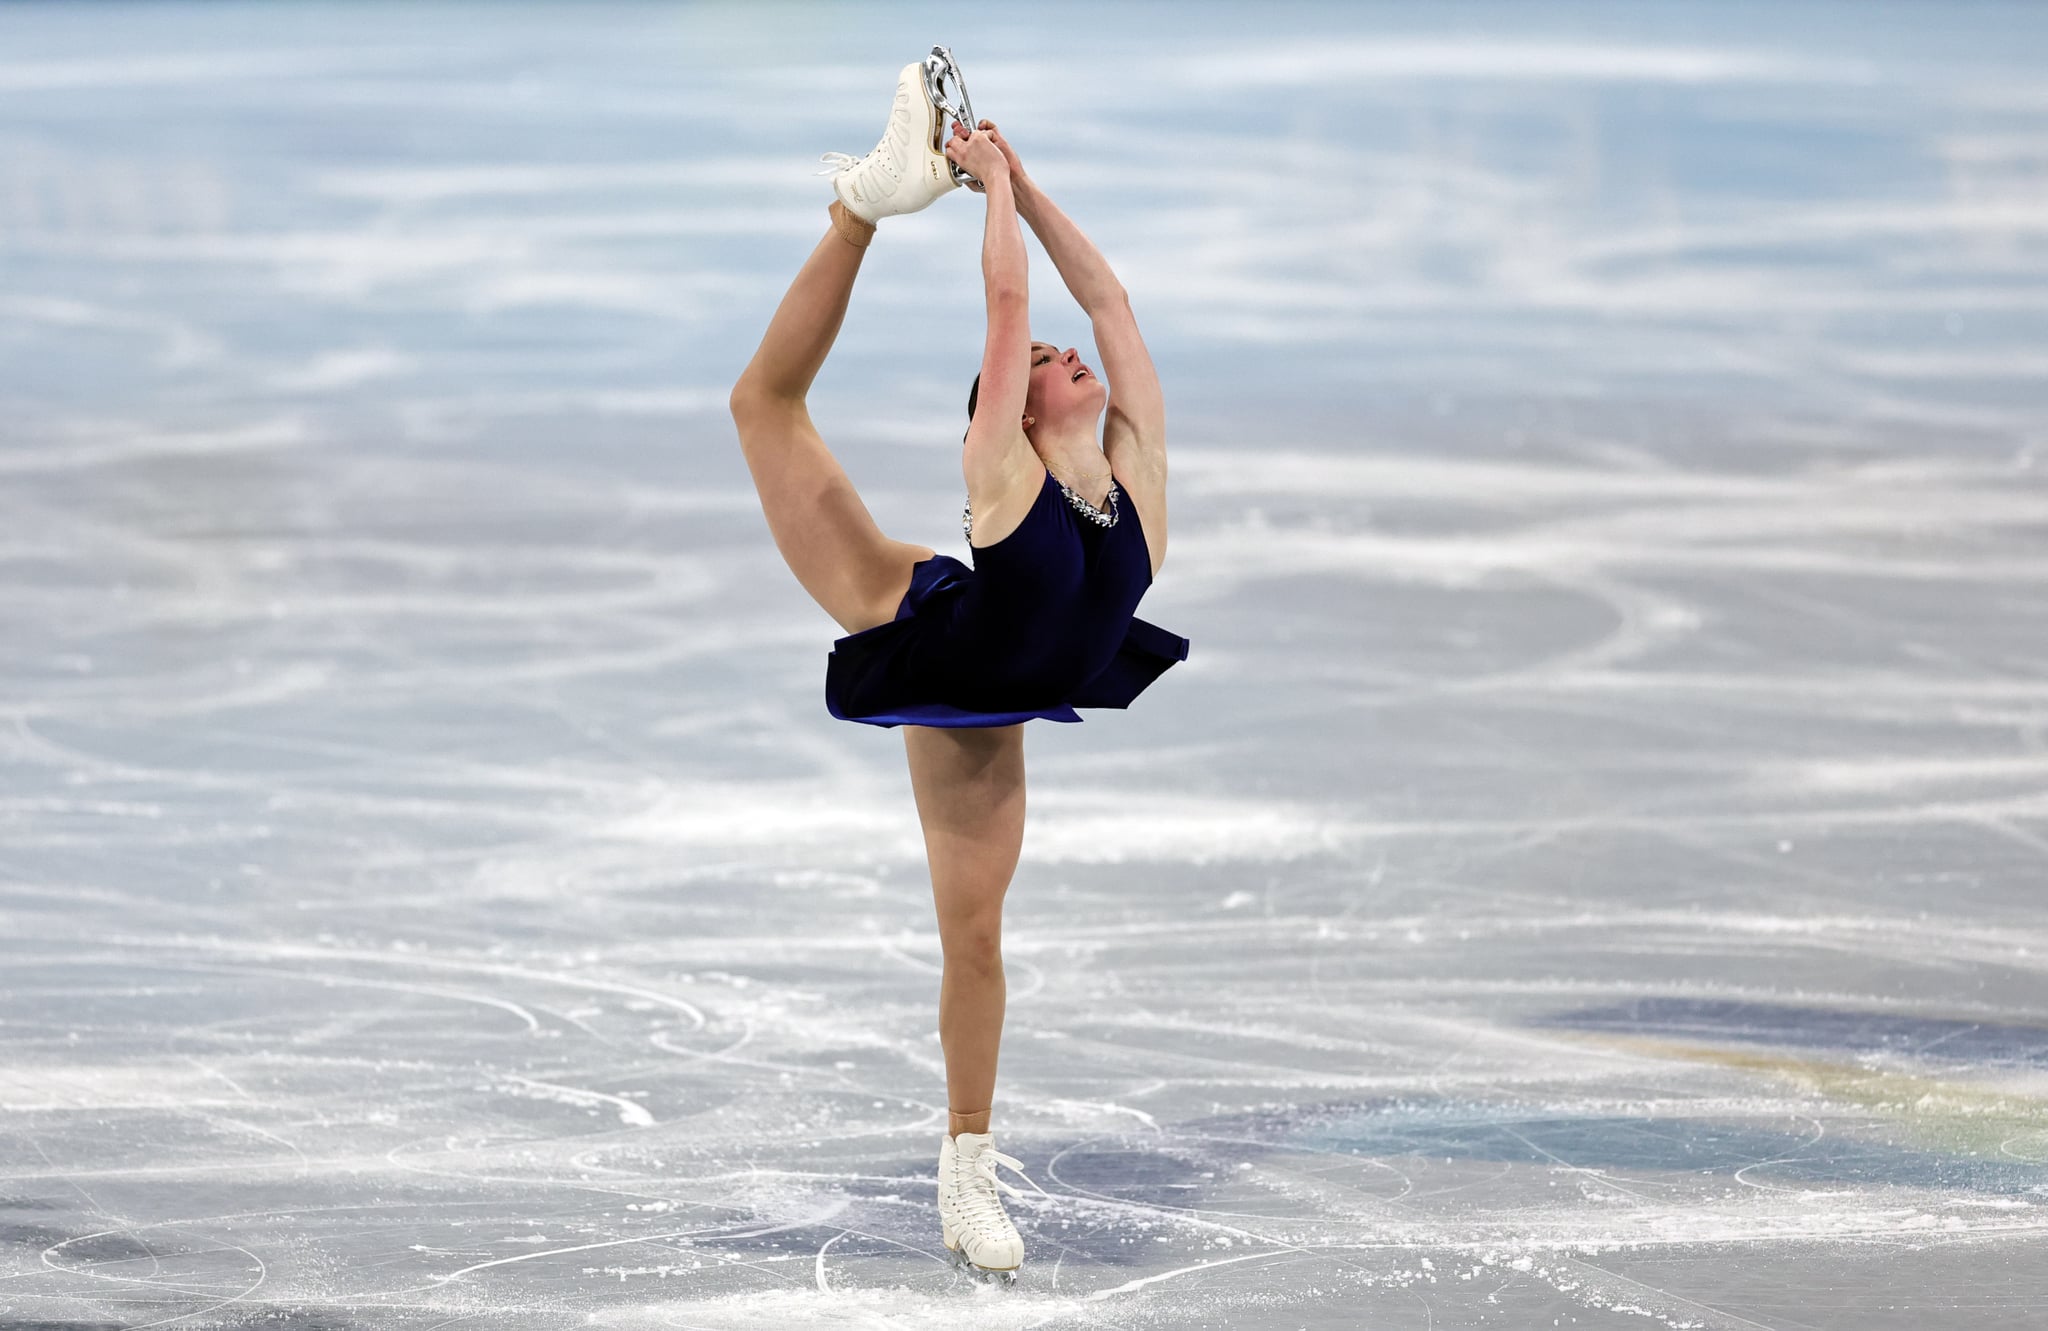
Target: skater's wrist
(998, 188)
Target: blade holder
(940, 71)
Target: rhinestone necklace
(1100, 517)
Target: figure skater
(1066, 533)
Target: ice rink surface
(1588, 873)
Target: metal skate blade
(948, 91)
(958, 1259)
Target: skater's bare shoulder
(998, 459)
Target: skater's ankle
(851, 229)
(957, 1122)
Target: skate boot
(972, 1222)
(907, 170)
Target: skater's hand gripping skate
(995, 136)
(978, 154)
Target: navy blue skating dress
(1043, 623)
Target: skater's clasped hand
(977, 152)
(1009, 154)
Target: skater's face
(1063, 388)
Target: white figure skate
(976, 1230)
(908, 169)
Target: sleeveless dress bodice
(1043, 623)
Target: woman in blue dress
(1066, 529)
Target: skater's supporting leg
(969, 785)
(820, 525)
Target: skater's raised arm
(1136, 416)
(1087, 274)
(997, 454)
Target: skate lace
(840, 160)
(979, 1205)
(837, 162)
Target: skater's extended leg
(807, 321)
(969, 784)
(820, 525)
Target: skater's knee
(754, 401)
(976, 945)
